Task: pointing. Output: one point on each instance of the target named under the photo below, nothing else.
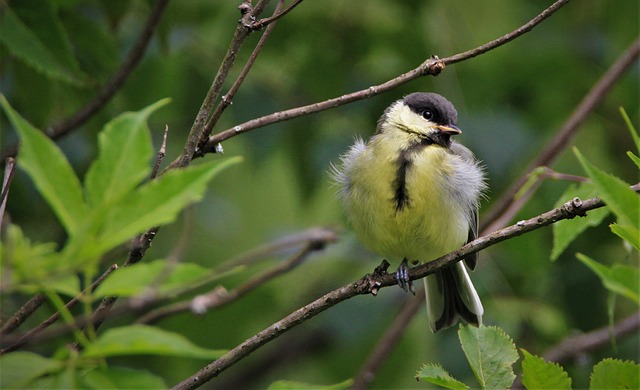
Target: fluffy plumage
(411, 192)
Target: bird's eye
(427, 114)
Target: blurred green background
(510, 101)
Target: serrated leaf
(435, 374)
(565, 232)
(50, 171)
(19, 369)
(491, 354)
(615, 374)
(133, 280)
(146, 340)
(621, 199)
(24, 44)
(540, 374)
(293, 385)
(621, 279)
(124, 157)
(629, 233)
(158, 202)
(122, 378)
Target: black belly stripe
(404, 162)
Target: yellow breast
(429, 224)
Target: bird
(411, 192)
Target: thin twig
(239, 37)
(114, 84)
(283, 244)
(432, 66)
(313, 238)
(26, 338)
(9, 171)
(505, 208)
(22, 314)
(276, 15)
(228, 97)
(219, 296)
(141, 243)
(161, 153)
(387, 342)
(575, 346)
(553, 149)
(370, 284)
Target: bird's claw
(402, 275)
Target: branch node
(573, 208)
(433, 66)
(245, 8)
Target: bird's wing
(468, 156)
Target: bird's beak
(450, 129)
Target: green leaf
(629, 233)
(632, 130)
(292, 385)
(122, 378)
(621, 279)
(24, 44)
(491, 354)
(634, 158)
(564, 232)
(434, 373)
(50, 171)
(615, 374)
(124, 158)
(540, 374)
(158, 202)
(621, 199)
(42, 18)
(146, 340)
(19, 369)
(133, 280)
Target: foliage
(117, 207)
(57, 55)
(491, 354)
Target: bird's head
(428, 117)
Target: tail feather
(450, 295)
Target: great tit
(412, 193)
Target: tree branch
(387, 342)
(197, 129)
(370, 284)
(228, 97)
(9, 171)
(109, 89)
(219, 297)
(505, 208)
(432, 66)
(577, 345)
(22, 314)
(26, 338)
(313, 239)
(276, 15)
(502, 211)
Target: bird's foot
(402, 275)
